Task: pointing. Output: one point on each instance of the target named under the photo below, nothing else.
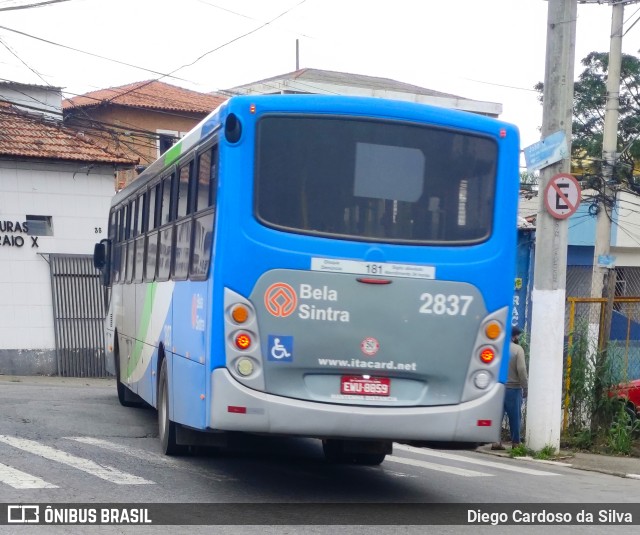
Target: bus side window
(183, 189)
(138, 271)
(113, 226)
(207, 179)
(155, 203)
(183, 226)
(129, 233)
(165, 235)
(117, 246)
(135, 229)
(165, 207)
(203, 223)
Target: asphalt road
(69, 441)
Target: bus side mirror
(101, 253)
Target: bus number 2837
(440, 304)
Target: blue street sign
(550, 150)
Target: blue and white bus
(318, 266)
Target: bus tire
(125, 396)
(335, 452)
(369, 459)
(166, 428)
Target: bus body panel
(188, 404)
(243, 409)
(189, 318)
(407, 330)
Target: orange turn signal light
(240, 313)
(493, 330)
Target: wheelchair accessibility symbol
(280, 348)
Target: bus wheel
(336, 452)
(166, 428)
(369, 459)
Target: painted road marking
(481, 462)
(438, 467)
(150, 457)
(107, 473)
(21, 480)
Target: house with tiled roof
(56, 186)
(141, 120)
(318, 81)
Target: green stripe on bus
(173, 153)
(145, 321)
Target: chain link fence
(588, 329)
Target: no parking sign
(562, 195)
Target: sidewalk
(606, 464)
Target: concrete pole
(609, 150)
(544, 407)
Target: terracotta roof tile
(151, 94)
(31, 136)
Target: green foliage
(589, 101)
(582, 354)
(528, 181)
(621, 433)
(520, 451)
(595, 417)
(548, 452)
(582, 440)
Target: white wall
(78, 204)
(34, 99)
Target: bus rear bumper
(235, 407)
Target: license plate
(357, 385)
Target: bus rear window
(374, 180)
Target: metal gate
(78, 316)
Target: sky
(490, 50)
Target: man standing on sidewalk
(516, 388)
(517, 385)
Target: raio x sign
(15, 234)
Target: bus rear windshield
(374, 180)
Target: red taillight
(484, 423)
(243, 341)
(367, 280)
(487, 355)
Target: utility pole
(548, 296)
(602, 269)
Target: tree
(589, 101)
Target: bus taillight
(493, 330)
(240, 313)
(487, 354)
(243, 341)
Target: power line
(225, 44)
(244, 16)
(28, 6)
(23, 62)
(92, 54)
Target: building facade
(55, 192)
(141, 120)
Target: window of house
(39, 225)
(167, 138)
